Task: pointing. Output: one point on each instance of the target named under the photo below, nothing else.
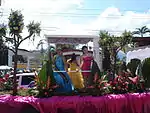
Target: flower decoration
(124, 83)
(5, 82)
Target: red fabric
(87, 60)
(127, 103)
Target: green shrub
(132, 66)
(146, 72)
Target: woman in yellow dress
(74, 73)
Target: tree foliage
(2, 32)
(141, 31)
(132, 66)
(113, 44)
(146, 71)
(15, 29)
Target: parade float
(125, 94)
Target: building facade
(26, 59)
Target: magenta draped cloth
(123, 103)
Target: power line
(78, 14)
(100, 9)
(81, 14)
(90, 30)
(86, 15)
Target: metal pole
(49, 51)
(73, 71)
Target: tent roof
(141, 54)
(70, 39)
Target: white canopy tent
(140, 54)
(78, 39)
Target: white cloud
(56, 5)
(41, 11)
(114, 20)
(111, 19)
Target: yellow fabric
(76, 77)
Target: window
(27, 79)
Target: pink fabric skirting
(126, 103)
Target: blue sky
(96, 7)
(83, 17)
(133, 5)
(128, 5)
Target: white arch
(78, 39)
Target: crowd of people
(79, 73)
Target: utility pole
(0, 2)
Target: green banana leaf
(50, 71)
(46, 71)
(43, 76)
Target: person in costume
(86, 65)
(74, 73)
(60, 73)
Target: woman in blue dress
(61, 77)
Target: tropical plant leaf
(50, 71)
(34, 28)
(43, 76)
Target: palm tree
(141, 31)
(41, 43)
(43, 52)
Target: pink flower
(119, 87)
(99, 86)
(6, 76)
(134, 80)
(114, 83)
(2, 80)
(90, 86)
(126, 83)
(55, 86)
(95, 77)
(46, 93)
(21, 87)
(114, 88)
(99, 81)
(105, 83)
